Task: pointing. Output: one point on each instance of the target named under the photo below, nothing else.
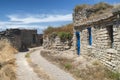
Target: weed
(68, 66)
(27, 55)
(113, 75)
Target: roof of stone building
(95, 19)
(97, 14)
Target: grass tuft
(68, 66)
(27, 55)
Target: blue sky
(39, 14)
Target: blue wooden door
(78, 42)
(90, 36)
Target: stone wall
(117, 45)
(105, 42)
(101, 47)
(29, 37)
(56, 44)
(101, 44)
(84, 41)
(22, 38)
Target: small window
(89, 36)
(110, 34)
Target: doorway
(89, 36)
(78, 42)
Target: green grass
(114, 75)
(27, 55)
(68, 66)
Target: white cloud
(32, 21)
(40, 18)
(40, 28)
(25, 26)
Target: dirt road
(25, 72)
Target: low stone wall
(56, 44)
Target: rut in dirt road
(24, 71)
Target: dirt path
(53, 70)
(24, 71)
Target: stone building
(22, 38)
(98, 36)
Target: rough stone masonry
(99, 35)
(22, 39)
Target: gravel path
(53, 70)
(24, 71)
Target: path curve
(24, 71)
(57, 73)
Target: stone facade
(56, 44)
(105, 34)
(22, 38)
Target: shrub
(53, 30)
(65, 36)
(27, 55)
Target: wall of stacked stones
(116, 58)
(101, 47)
(84, 41)
(29, 37)
(101, 43)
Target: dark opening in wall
(89, 36)
(34, 38)
(110, 33)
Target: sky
(39, 14)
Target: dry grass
(87, 69)
(66, 28)
(95, 11)
(7, 61)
